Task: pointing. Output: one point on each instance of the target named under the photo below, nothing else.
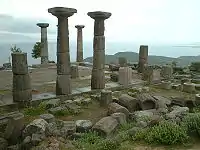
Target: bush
(192, 123)
(107, 145)
(165, 132)
(35, 111)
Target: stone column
(63, 81)
(143, 58)
(79, 57)
(98, 75)
(44, 43)
(21, 90)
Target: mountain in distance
(152, 59)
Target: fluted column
(63, 81)
(98, 75)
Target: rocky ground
(85, 122)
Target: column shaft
(98, 75)
(63, 82)
(79, 57)
(44, 50)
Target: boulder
(177, 113)
(114, 77)
(105, 126)
(36, 126)
(146, 101)
(116, 108)
(48, 117)
(14, 128)
(83, 125)
(120, 117)
(69, 127)
(106, 98)
(129, 102)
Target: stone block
(106, 98)
(19, 63)
(63, 85)
(125, 76)
(74, 72)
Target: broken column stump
(22, 92)
(106, 98)
(74, 72)
(125, 76)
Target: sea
(111, 48)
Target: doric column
(98, 75)
(79, 57)
(143, 58)
(63, 81)
(44, 43)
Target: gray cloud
(21, 25)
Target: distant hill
(152, 59)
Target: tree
(36, 51)
(14, 49)
(174, 63)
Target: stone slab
(84, 89)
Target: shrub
(107, 145)
(34, 111)
(14, 49)
(192, 123)
(36, 51)
(165, 132)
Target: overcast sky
(143, 21)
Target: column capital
(79, 26)
(62, 11)
(99, 15)
(42, 25)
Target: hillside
(152, 59)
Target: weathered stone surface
(105, 126)
(57, 110)
(21, 82)
(37, 138)
(106, 98)
(73, 108)
(197, 99)
(120, 117)
(114, 67)
(144, 115)
(185, 80)
(24, 96)
(62, 11)
(63, 85)
(98, 79)
(189, 87)
(177, 113)
(147, 74)
(167, 85)
(3, 144)
(146, 101)
(36, 126)
(14, 128)
(166, 72)
(125, 76)
(143, 57)
(68, 128)
(129, 102)
(114, 77)
(51, 103)
(83, 125)
(74, 72)
(116, 108)
(162, 102)
(48, 117)
(19, 63)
